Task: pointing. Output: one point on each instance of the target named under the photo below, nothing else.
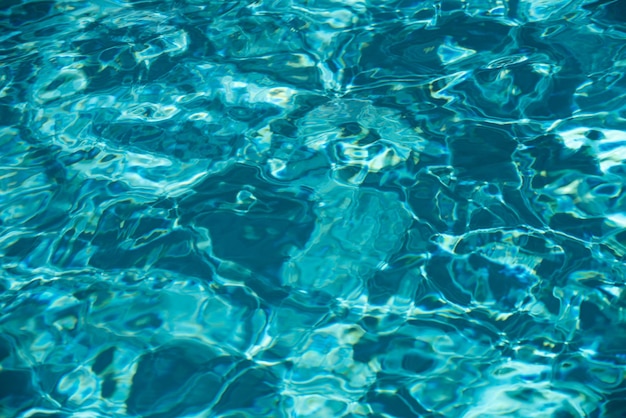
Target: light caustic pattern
(312, 208)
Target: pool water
(313, 208)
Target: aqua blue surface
(292, 208)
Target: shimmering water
(292, 208)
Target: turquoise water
(357, 208)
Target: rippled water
(293, 208)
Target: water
(358, 208)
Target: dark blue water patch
(253, 390)
(495, 215)
(402, 52)
(607, 11)
(30, 12)
(422, 199)
(384, 285)
(308, 76)
(582, 228)
(128, 232)
(548, 152)
(5, 349)
(181, 370)
(108, 387)
(591, 316)
(197, 373)
(102, 79)
(304, 103)
(16, 390)
(103, 360)
(479, 152)
(200, 44)
(525, 209)
(400, 404)
(438, 270)
(9, 116)
(577, 257)
(262, 233)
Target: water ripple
(295, 208)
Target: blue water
(292, 208)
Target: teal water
(292, 208)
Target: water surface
(299, 208)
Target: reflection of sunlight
(525, 399)
(312, 208)
(450, 52)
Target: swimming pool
(298, 208)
